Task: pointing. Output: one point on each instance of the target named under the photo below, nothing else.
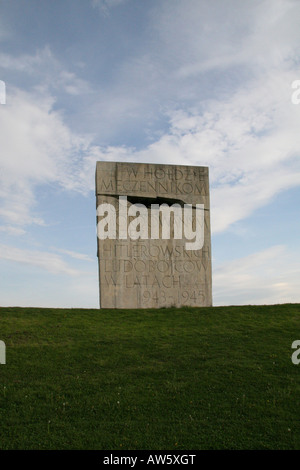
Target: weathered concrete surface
(153, 273)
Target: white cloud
(73, 254)
(12, 230)
(36, 148)
(269, 276)
(41, 259)
(204, 36)
(46, 72)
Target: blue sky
(190, 82)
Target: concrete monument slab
(154, 242)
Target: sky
(189, 82)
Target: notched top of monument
(188, 184)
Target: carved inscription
(153, 273)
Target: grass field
(190, 378)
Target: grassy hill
(189, 378)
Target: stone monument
(154, 242)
